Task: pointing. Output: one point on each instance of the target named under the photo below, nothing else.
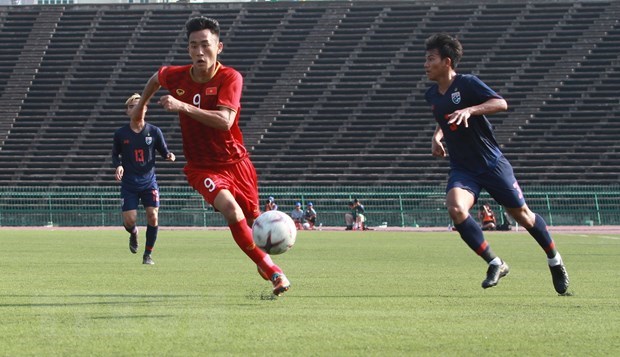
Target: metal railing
(399, 206)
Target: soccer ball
(274, 232)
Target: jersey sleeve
(481, 91)
(162, 76)
(161, 147)
(230, 91)
(116, 150)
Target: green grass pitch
(81, 293)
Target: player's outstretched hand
(171, 157)
(459, 116)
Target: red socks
(242, 234)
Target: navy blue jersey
(472, 149)
(137, 155)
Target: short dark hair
(447, 46)
(202, 23)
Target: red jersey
(204, 146)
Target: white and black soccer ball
(274, 232)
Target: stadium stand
(334, 91)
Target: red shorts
(238, 178)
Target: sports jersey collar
(218, 65)
(454, 80)
(137, 132)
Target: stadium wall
(397, 206)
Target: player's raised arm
(222, 118)
(491, 106)
(151, 87)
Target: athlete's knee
(458, 213)
(152, 220)
(228, 206)
(152, 215)
(231, 211)
(523, 215)
(129, 221)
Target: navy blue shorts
(500, 183)
(131, 198)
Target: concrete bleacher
(334, 91)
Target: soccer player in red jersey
(206, 95)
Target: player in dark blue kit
(133, 156)
(460, 104)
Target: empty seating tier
(334, 91)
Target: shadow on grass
(130, 299)
(130, 317)
(138, 296)
(265, 295)
(63, 304)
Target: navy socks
(471, 233)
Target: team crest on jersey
(148, 140)
(211, 91)
(180, 92)
(456, 97)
